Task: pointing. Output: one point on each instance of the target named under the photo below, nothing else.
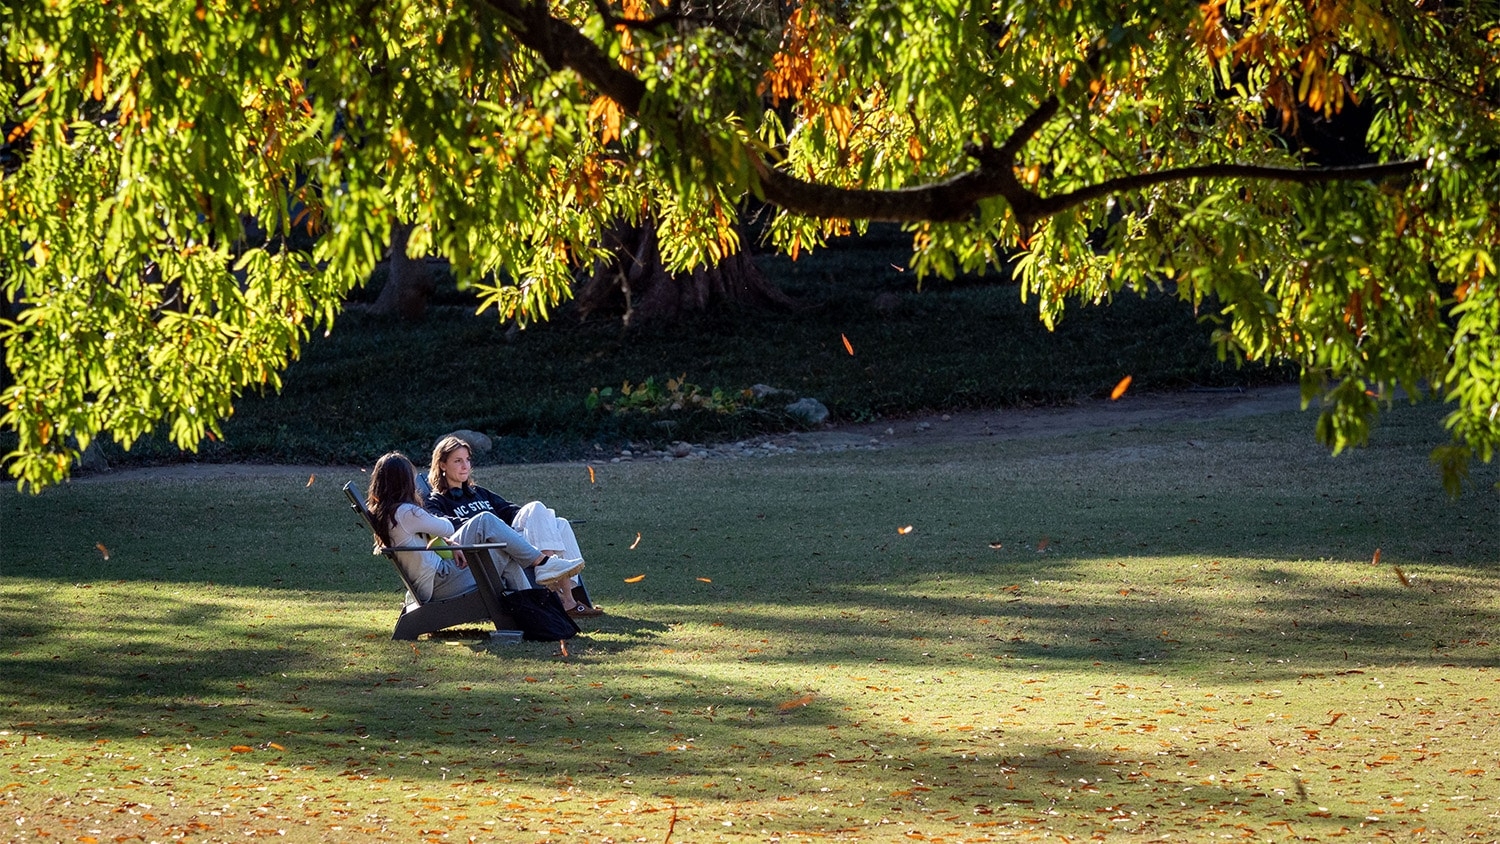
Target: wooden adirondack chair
(480, 605)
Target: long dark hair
(392, 483)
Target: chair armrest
(483, 546)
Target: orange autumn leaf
(1401, 576)
(636, 542)
(102, 549)
(98, 91)
(849, 347)
(795, 702)
(274, 746)
(591, 474)
(311, 478)
(704, 580)
(608, 113)
(1376, 561)
(1120, 388)
(905, 530)
(1042, 543)
(242, 748)
(637, 579)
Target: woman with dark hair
(455, 495)
(400, 520)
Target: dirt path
(1022, 423)
(976, 427)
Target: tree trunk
(634, 283)
(408, 284)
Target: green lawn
(1173, 633)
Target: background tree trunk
(634, 283)
(408, 283)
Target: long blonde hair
(446, 446)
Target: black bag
(540, 615)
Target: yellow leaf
(591, 474)
(1120, 388)
(705, 580)
(637, 579)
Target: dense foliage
(159, 157)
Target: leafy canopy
(164, 161)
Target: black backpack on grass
(540, 615)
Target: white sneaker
(554, 569)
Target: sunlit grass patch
(1172, 633)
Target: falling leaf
(898, 269)
(1376, 561)
(636, 542)
(102, 549)
(1120, 388)
(704, 580)
(637, 579)
(591, 474)
(311, 478)
(1042, 544)
(562, 645)
(905, 530)
(847, 345)
(1401, 576)
(788, 705)
(997, 545)
(242, 748)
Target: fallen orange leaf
(242, 748)
(705, 580)
(847, 345)
(102, 549)
(1120, 388)
(637, 579)
(795, 702)
(274, 746)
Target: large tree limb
(956, 198)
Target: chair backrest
(357, 504)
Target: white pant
(544, 529)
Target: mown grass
(374, 384)
(1167, 633)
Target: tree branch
(561, 46)
(1047, 206)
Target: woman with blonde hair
(455, 495)
(400, 520)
